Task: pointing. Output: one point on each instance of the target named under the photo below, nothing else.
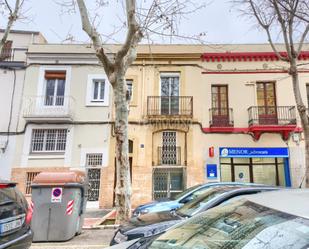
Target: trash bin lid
(60, 178)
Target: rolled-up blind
(55, 74)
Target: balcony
(221, 117)
(280, 119)
(169, 156)
(49, 108)
(167, 107)
(10, 55)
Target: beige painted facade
(12, 72)
(170, 137)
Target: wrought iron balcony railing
(272, 115)
(178, 106)
(221, 117)
(49, 107)
(169, 155)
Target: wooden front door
(220, 113)
(267, 106)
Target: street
(90, 239)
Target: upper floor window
(48, 140)
(54, 88)
(98, 90)
(130, 89)
(169, 84)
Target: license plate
(10, 226)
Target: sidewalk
(89, 239)
(92, 236)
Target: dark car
(182, 198)
(15, 218)
(272, 220)
(155, 223)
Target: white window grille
(98, 90)
(48, 140)
(94, 159)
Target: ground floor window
(269, 171)
(168, 182)
(29, 180)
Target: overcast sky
(221, 23)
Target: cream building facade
(12, 72)
(197, 114)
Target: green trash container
(59, 202)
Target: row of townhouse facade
(197, 114)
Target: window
(97, 93)
(130, 89)
(94, 159)
(54, 88)
(98, 90)
(48, 140)
(29, 180)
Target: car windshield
(182, 194)
(242, 224)
(189, 208)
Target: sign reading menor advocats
(253, 152)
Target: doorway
(169, 94)
(220, 111)
(267, 106)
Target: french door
(220, 111)
(266, 99)
(54, 93)
(169, 95)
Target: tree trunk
(123, 183)
(303, 116)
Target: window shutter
(55, 75)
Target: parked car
(156, 223)
(15, 218)
(182, 198)
(277, 219)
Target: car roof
(291, 201)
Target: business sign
(56, 195)
(253, 152)
(211, 171)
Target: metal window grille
(94, 159)
(48, 140)
(29, 180)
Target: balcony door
(54, 88)
(169, 94)
(266, 99)
(219, 96)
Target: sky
(220, 22)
